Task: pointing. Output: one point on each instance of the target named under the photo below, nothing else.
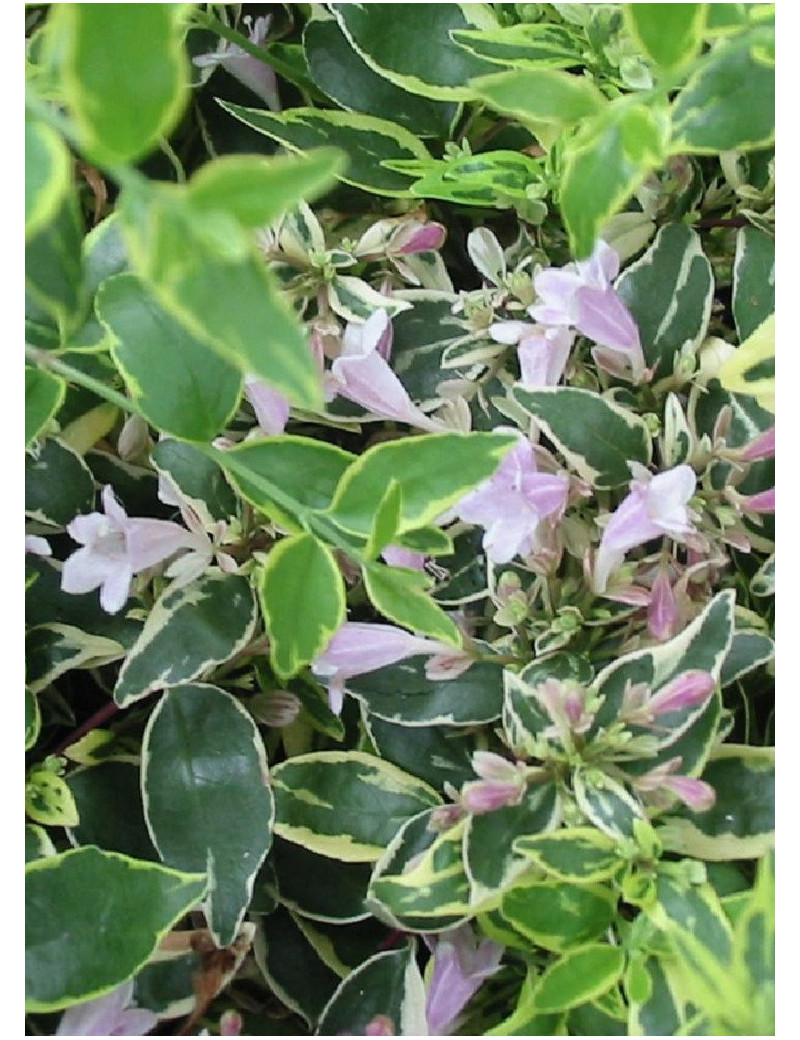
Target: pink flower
(397, 556)
(460, 964)
(502, 783)
(761, 447)
(115, 548)
(255, 74)
(270, 405)
(543, 352)
(696, 794)
(656, 505)
(360, 647)
(687, 690)
(109, 1015)
(581, 295)
(513, 503)
(662, 611)
(413, 236)
(362, 374)
(763, 502)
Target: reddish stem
(108, 711)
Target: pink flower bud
(697, 794)
(230, 1023)
(762, 447)
(381, 1025)
(418, 238)
(688, 690)
(481, 796)
(662, 612)
(763, 502)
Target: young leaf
(189, 789)
(558, 916)
(69, 958)
(578, 976)
(541, 95)
(303, 600)
(257, 190)
(400, 595)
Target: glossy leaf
(210, 619)
(58, 484)
(181, 384)
(190, 782)
(109, 801)
(525, 45)
(199, 479)
(346, 805)
(596, 436)
(365, 140)
(669, 291)
(303, 601)
(69, 958)
(44, 395)
(423, 58)
(558, 916)
(576, 854)
(318, 887)
(345, 77)
(753, 280)
(387, 984)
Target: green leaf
(346, 805)
(37, 843)
(48, 800)
(753, 280)
(386, 521)
(729, 103)
(582, 855)
(204, 270)
(597, 437)
(422, 57)
(318, 887)
(525, 45)
(749, 650)
(210, 620)
(669, 34)
(190, 784)
(415, 464)
(58, 484)
(293, 967)
(579, 976)
(751, 370)
(120, 118)
(541, 95)
(354, 300)
(51, 650)
(53, 229)
(435, 755)
(491, 859)
(302, 469)
(400, 595)
(606, 803)
(419, 883)
(181, 384)
(70, 956)
(403, 694)
(365, 140)
(387, 984)
(200, 480)
(302, 596)
(44, 395)
(340, 73)
(525, 1020)
(741, 822)
(669, 291)
(33, 719)
(109, 801)
(257, 190)
(604, 163)
(558, 916)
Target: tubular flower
(109, 1015)
(360, 647)
(663, 782)
(581, 295)
(252, 72)
(115, 547)
(655, 506)
(459, 965)
(543, 352)
(513, 503)
(362, 374)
